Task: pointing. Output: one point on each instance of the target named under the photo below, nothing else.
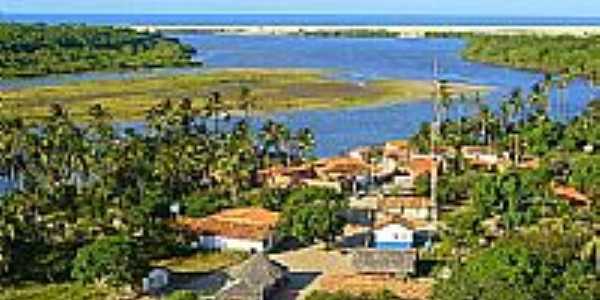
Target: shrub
(112, 260)
(182, 295)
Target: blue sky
(435, 7)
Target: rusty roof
(398, 202)
(242, 223)
(358, 284)
(343, 165)
(420, 166)
(571, 194)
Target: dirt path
(308, 265)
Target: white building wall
(226, 243)
(394, 233)
(417, 213)
(411, 213)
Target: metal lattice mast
(434, 132)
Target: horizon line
(300, 13)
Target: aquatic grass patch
(275, 90)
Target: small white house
(243, 229)
(156, 280)
(393, 237)
(228, 242)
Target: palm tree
(216, 109)
(247, 101)
(303, 143)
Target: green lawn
(65, 291)
(203, 261)
(274, 89)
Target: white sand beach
(401, 31)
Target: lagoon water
(356, 59)
(363, 59)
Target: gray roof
(241, 290)
(258, 270)
(384, 261)
(252, 278)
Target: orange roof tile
(571, 194)
(243, 223)
(404, 202)
(533, 163)
(358, 284)
(345, 165)
(420, 166)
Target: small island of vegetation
(272, 90)
(37, 49)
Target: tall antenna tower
(434, 132)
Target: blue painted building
(393, 237)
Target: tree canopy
(37, 49)
(541, 264)
(550, 54)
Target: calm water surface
(365, 59)
(351, 59)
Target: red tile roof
(572, 195)
(242, 223)
(398, 202)
(343, 165)
(358, 284)
(420, 166)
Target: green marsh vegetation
(272, 90)
(37, 49)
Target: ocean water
(297, 19)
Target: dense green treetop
(550, 54)
(31, 50)
(543, 263)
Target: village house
(421, 165)
(362, 153)
(481, 157)
(393, 237)
(285, 177)
(395, 153)
(350, 173)
(408, 207)
(157, 279)
(241, 229)
(390, 262)
(571, 195)
(258, 278)
(341, 167)
(361, 210)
